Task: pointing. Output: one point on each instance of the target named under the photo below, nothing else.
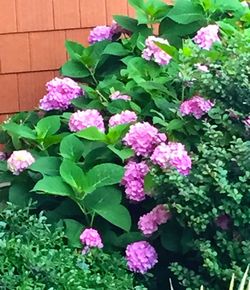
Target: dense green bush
(34, 256)
(76, 177)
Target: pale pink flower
(117, 95)
(19, 161)
(206, 36)
(124, 117)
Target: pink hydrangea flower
(155, 53)
(60, 94)
(247, 122)
(2, 156)
(141, 257)
(124, 117)
(133, 180)
(223, 222)
(202, 67)
(196, 106)
(162, 215)
(19, 161)
(100, 33)
(84, 119)
(173, 155)
(143, 138)
(206, 36)
(118, 96)
(91, 238)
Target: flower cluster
(84, 119)
(155, 53)
(206, 36)
(19, 161)
(196, 106)
(124, 117)
(60, 93)
(118, 96)
(141, 257)
(90, 238)
(149, 222)
(133, 180)
(2, 156)
(173, 155)
(143, 138)
(223, 221)
(247, 122)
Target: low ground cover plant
(144, 143)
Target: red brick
(66, 14)
(7, 16)
(47, 50)
(78, 35)
(9, 93)
(93, 12)
(14, 53)
(32, 88)
(34, 15)
(116, 7)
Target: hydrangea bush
(144, 141)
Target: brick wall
(32, 35)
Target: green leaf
(46, 165)
(21, 131)
(73, 230)
(92, 133)
(170, 237)
(3, 166)
(75, 69)
(175, 124)
(185, 12)
(117, 106)
(115, 48)
(71, 148)
(48, 126)
(53, 185)
(74, 49)
(73, 175)
(19, 194)
(103, 175)
(149, 183)
(123, 153)
(105, 201)
(116, 133)
(126, 22)
(170, 50)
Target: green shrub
(34, 256)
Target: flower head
(84, 119)
(133, 180)
(91, 238)
(118, 96)
(2, 156)
(247, 122)
(206, 36)
(196, 106)
(223, 221)
(60, 93)
(124, 117)
(19, 161)
(202, 67)
(100, 33)
(149, 222)
(173, 155)
(141, 257)
(143, 138)
(155, 53)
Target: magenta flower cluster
(100, 33)
(206, 36)
(133, 180)
(141, 257)
(90, 238)
(118, 96)
(19, 161)
(60, 93)
(84, 119)
(196, 106)
(247, 122)
(143, 138)
(124, 117)
(154, 52)
(172, 155)
(149, 222)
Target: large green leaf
(71, 148)
(75, 69)
(21, 131)
(105, 201)
(48, 165)
(92, 133)
(185, 12)
(73, 175)
(48, 126)
(103, 175)
(117, 132)
(73, 231)
(53, 185)
(115, 48)
(19, 194)
(122, 153)
(74, 49)
(126, 22)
